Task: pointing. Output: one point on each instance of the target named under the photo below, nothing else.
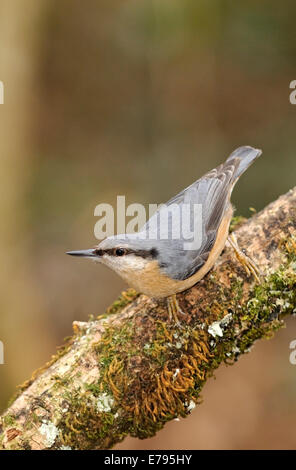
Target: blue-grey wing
(212, 193)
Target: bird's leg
(170, 309)
(248, 264)
(174, 308)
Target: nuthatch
(163, 267)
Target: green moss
(9, 420)
(152, 371)
(90, 415)
(82, 426)
(154, 376)
(125, 298)
(290, 248)
(262, 314)
(155, 371)
(236, 222)
(61, 381)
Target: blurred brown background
(138, 98)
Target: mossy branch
(130, 371)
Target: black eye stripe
(99, 252)
(150, 254)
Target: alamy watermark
(166, 222)
(1, 92)
(1, 353)
(293, 93)
(293, 353)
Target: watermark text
(293, 353)
(1, 92)
(183, 222)
(293, 93)
(1, 353)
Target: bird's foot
(249, 265)
(174, 309)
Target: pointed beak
(86, 253)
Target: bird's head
(122, 253)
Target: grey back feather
(213, 192)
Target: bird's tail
(244, 156)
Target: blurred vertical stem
(19, 48)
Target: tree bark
(131, 370)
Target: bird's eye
(119, 252)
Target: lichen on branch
(131, 371)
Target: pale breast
(152, 282)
